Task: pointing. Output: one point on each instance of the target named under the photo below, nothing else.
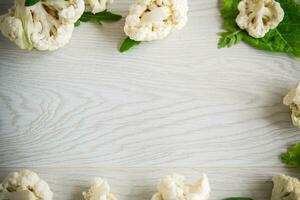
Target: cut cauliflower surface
(99, 190)
(174, 188)
(257, 17)
(96, 6)
(25, 185)
(285, 188)
(150, 20)
(292, 99)
(47, 25)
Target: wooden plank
(87, 110)
(178, 102)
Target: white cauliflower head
(47, 25)
(96, 6)
(174, 188)
(257, 17)
(285, 188)
(99, 190)
(25, 185)
(150, 20)
(292, 99)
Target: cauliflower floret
(25, 185)
(12, 28)
(96, 6)
(285, 188)
(174, 188)
(150, 20)
(292, 99)
(99, 190)
(257, 17)
(47, 25)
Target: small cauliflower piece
(150, 20)
(174, 188)
(99, 190)
(292, 99)
(285, 188)
(13, 29)
(47, 25)
(25, 185)
(257, 17)
(96, 6)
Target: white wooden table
(177, 105)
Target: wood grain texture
(181, 103)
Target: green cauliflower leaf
(31, 2)
(98, 18)
(292, 157)
(285, 38)
(128, 44)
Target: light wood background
(177, 105)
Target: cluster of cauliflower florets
(46, 25)
(174, 188)
(150, 20)
(257, 17)
(49, 24)
(292, 99)
(27, 185)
